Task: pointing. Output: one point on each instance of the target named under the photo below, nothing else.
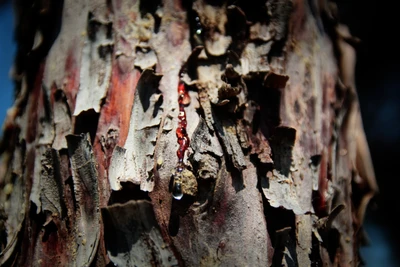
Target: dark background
(378, 85)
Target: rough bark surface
(278, 170)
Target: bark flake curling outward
(183, 140)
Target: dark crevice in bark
(128, 192)
(282, 231)
(9, 139)
(277, 49)
(262, 170)
(86, 122)
(237, 175)
(238, 28)
(35, 222)
(104, 50)
(50, 228)
(59, 96)
(267, 117)
(195, 26)
(315, 160)
(282, 143)
(59, 181)
(331, 241)
(256, 10)
(93, 26)
(147, 89)
(286, 219)
(315, 255)
(216, 3)
(69, 183)
(151, 6)
(205, 193)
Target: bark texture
(278, 171)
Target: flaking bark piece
(51, 184)
(84, 176)
(15, 210)
(233, 85)
(226, 131)
(134, 161)
(62, 118)
(260, 146)
(281, 192)
(206, 151)
(133, 237)
(205, 104)
(204, 142)
(95, 71)
(255, 58)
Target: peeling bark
(278, 170)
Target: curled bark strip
(84, 175)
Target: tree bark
(109, 94)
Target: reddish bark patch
(72, 78)
(114, 123)
(117, 109)
(321, 205)
(52, 242)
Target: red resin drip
(181, 134)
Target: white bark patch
(145, 59)
(304, 238)
(35, 192)
(62, 123)
(95, 73)
(210, 78)
(281, 192)
(255, 58)
(116, 171)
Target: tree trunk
(180, 133)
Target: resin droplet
(183, 140)
(177, 190)
(181, 134)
